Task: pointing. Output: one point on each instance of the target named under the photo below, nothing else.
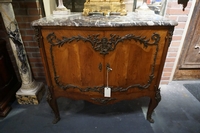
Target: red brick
(172, 49)
(166, 74)
(33, 4)
(40, 74)
(32, 49)
(181, 25)
(38, 64)
(32, 18)
(167, 69)
(169, 64)
(172, 54)
(36, 54)
(173, 11)
(175, 44)
(174, 4)
(41, 79)
(19, 19)
(29, 55)
(170, 59)
(33, 43)
(189, 4)
(23, 33)
(175, 18)
(178, 32)
(15, 5)
(35, 59)
(30, 32)
(182, 19)
(37, 69)
(176, 38)
(25, 25)
(163, 82)
(27, 38)
(22, 4)
(33, 11)
(165, 78)
(25, 43)
(20, 11)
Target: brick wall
(174, 12)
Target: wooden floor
(178, 112)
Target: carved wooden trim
(158, 96)
(38, 36)
(103, 100)
(103, 46)
(169, 36)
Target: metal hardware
(108, 67)
(108, 70)
(100, 66)
(197, 47)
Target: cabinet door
(72, 60)
(135, 59)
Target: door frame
(183, 39)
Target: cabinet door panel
(73, 61)
(136, 58)
(127, 63)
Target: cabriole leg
(53, 104)
(152, 105)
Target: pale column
(61, 9)
(60, 5)
(31, 92)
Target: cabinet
(8, 80)
(78, 59)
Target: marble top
(131, 19)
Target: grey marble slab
(131, 19)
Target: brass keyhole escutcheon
(100, 66)
(108, 67)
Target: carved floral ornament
(103, 46)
